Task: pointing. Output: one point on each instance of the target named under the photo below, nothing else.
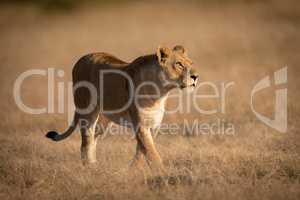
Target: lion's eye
(179, 65)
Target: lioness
(108, 89)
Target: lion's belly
(113, 94)
(121, 119)
(148, 117)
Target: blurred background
(235, 40)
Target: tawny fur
(168, 69)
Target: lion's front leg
(139, 157)
(147, 147)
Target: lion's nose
(194, 77)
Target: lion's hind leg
(89, 140)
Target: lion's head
(177, 67)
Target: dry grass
(234, 42)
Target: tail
(57, 137)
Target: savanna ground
(239, 42)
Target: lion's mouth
(188, 86)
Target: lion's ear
(163, 54)
(179, 49)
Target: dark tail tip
(52, 135)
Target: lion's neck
(145, 73)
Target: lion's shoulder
(105, 58)
(148, 60)
(100, 58)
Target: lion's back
(110, 85)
